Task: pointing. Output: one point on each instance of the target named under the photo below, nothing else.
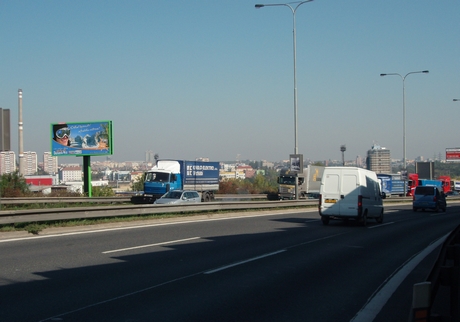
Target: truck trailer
(308, 186)
(169, 175)
(392, 184)
(430, 183)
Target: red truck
(446, 183)
(412, 183)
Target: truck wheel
(364, 219)
(325, 220)
(206, 197)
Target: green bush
(102, 191)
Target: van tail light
(360, 205)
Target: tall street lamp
(404, 114)
(456, 100)
(294, 10)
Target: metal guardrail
(51, 214)
(111, 200)
(227, 202)
(444, 277)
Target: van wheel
(364, 219)
(379, 219)
(325, 220)
(414, 209)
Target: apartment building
(7, 162)
(30, 163)
(50, 163)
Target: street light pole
(404, 114)
(456, 100)
(293, 10)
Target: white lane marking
(380, 225)
(380, 297)
(269, 254)
(149, 245)
(243, 262)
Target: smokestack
(20, 138)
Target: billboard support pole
(87, 175)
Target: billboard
(81, 139)
(425, 170)
(453, 154)
(296, 163)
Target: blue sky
(214, 79)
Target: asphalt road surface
(255, 266)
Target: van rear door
(349, 194)
(330, 196)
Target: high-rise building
(7, 162)
(30, 162)
(149, 156)
(5, 136)
(50, 163)
(378, 159)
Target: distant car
(428, 197)
(453, 193)
(179, 197)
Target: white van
(350, 193)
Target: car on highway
(179, 197)
(452, 193)
(428, 197)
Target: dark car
(429, 198)
(453, 193)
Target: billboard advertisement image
(453, 154)
(81, 139)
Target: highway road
(254, 266)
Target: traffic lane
(21, 258)
(69, 271)
(153, 267)
(320, 281)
